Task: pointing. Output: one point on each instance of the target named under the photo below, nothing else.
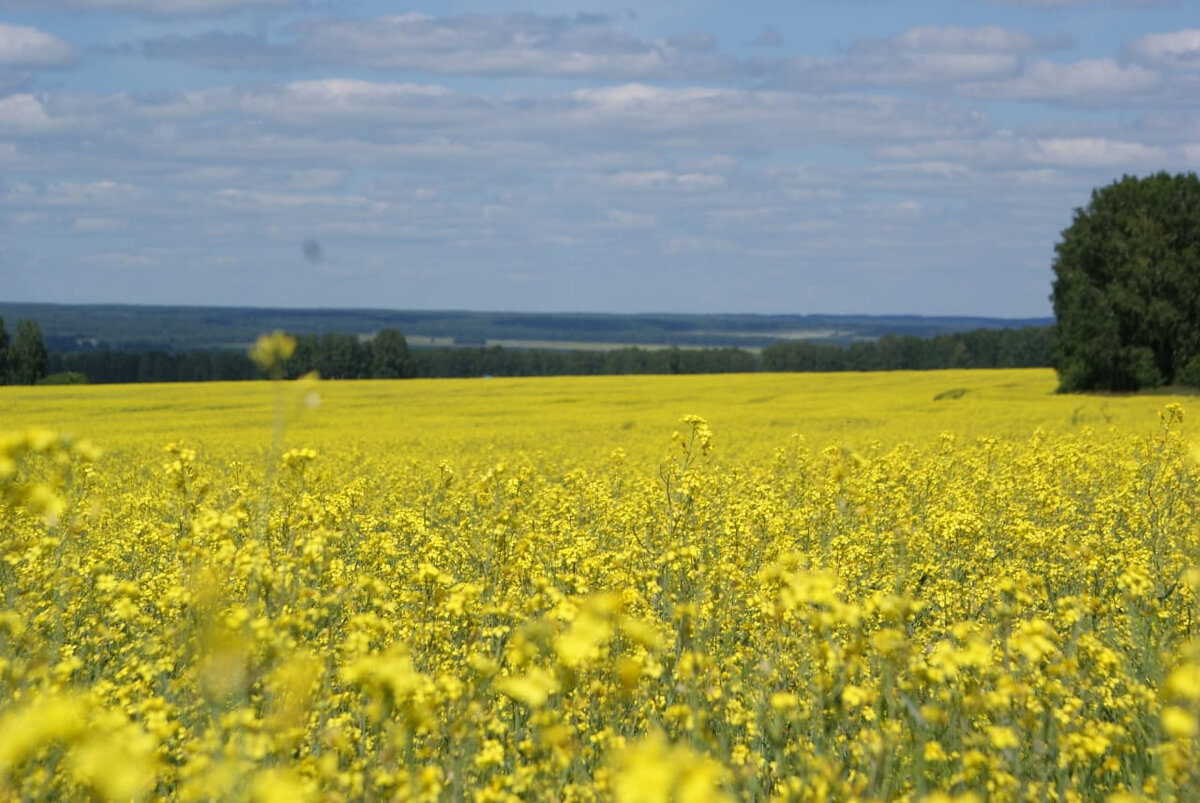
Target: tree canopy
(390, 358)
(337, 355)
(1127, 288)
(25, 359)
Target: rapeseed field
(910, 586)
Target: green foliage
(1189, 374)
(498, 361)
(341, 356)
(1027, 347)
(333, 355)
(102, 366)
(1127, 288)
(28, 360)
(390, 358)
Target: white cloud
(1078, 83)
(344, 99)
(1067, 152)
(707, 117)
(27, 218)
(259, 200)
(624, 219)
(93, 223)
(1178, 50)
(658, 180)
(628, 140)
(953, 39)
(1094, 152)
(506, 44)
(934, 57)
(207, 175)
(94, 193)
(1036, 177)
(934, 68)
(403, 121)
(691, 245)
(23, 46)
(988, 62)
(163, 8)
(315, 178)
(482, 44)
(23, 115)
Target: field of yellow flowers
(909, 586)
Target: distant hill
(174, 328)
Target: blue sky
(818, 156)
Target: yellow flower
(1002, 737)
(933, 751)
(1034, 640)
(583, 639)
(390, 673)
(117, 760)
(1184, 682)
(854, 696)
(652, 771)
(889, 642)
(271, 351)
(533, 688)
(42, 720)
(1179, 723)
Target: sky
(808, 157)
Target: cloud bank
(608, 163)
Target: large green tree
(1127, 287)
(342, 356)
(28, 360)
(390, 358)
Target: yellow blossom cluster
(560, 590)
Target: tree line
(387, 355)
(333, 356)
(1027, 347)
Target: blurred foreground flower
(271, 351)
